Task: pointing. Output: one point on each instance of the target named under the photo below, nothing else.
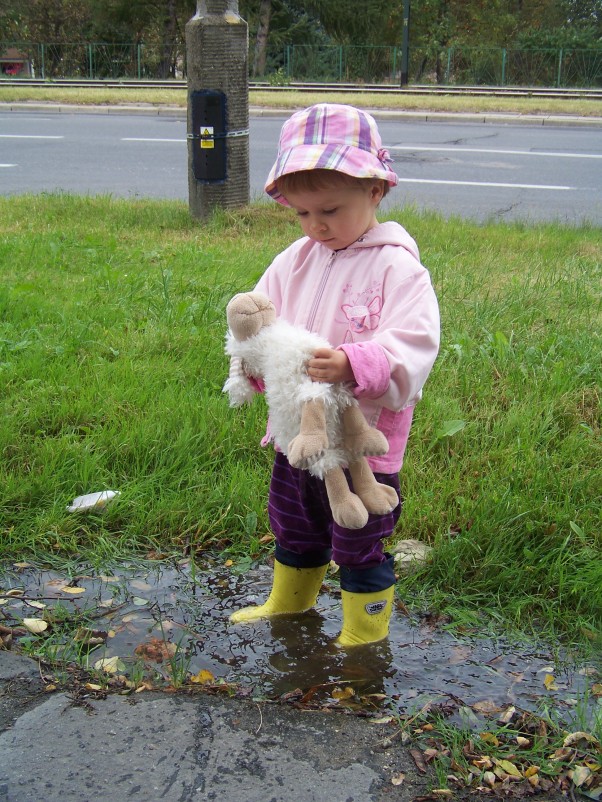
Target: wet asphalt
(156, 746)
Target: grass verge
(293, 99)
(111, 357)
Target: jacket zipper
(314, 308)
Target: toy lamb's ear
(248, 312)
(240, 390)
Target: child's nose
(318, 225)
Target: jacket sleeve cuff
(370, 367)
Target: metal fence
(92, 60)
(474, 66)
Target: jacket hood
(389, 233)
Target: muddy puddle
(170, 619)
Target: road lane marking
(29, 136)
(484, 184)
(8, 165)
(549, 153)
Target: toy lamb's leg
(360, 438)
(378, 499)
(312, 441)
(347, 508)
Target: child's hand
(329, 365)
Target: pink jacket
(375, 301)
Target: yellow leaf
(550, 682)
(508, 767)
(343, 693)
(229, 563)
(38, 605)
(22, 565)
(35, 625)
(111, 633)
(204, 677)
(532, 770)
(489, 738)
(72, 591)
(92, 686)
(597, 689)
(533, 780)
(397, 779)
(13, 592)
(521, 741)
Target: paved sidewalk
(176, 747)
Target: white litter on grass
(409, 553)
(92, 501)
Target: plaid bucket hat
(330, 136)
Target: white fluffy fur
(278, 354)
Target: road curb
(499, 118)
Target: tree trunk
(261, 42)
(170, 29)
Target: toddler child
(361, 285)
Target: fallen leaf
(229, 563)
(522, 741)
(35, 625)
(575, 737)
(204, 677)
(37, 604)
(597, 689)
(156, 650)
(487, 707)
(489, 738)
(110, 665)
(579, 775)
(507, 767)
(418, 760)
(21, 565)
(531, 771)
(482, 763)
(13, 592)
(550, 682)
(490, 778)
(139, 601)
(397, 779)
(72, 591)
(506, 716)
(343, 693)
(92, 686)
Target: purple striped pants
(302, 523)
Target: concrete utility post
(218, 107)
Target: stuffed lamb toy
(318, 426)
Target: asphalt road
(475, 170)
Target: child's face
(336, 216)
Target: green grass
(292, 99)
(111, 365)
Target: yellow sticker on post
(207, 140)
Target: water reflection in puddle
(159, 603)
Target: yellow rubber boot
(294, 590)
(366, 616)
